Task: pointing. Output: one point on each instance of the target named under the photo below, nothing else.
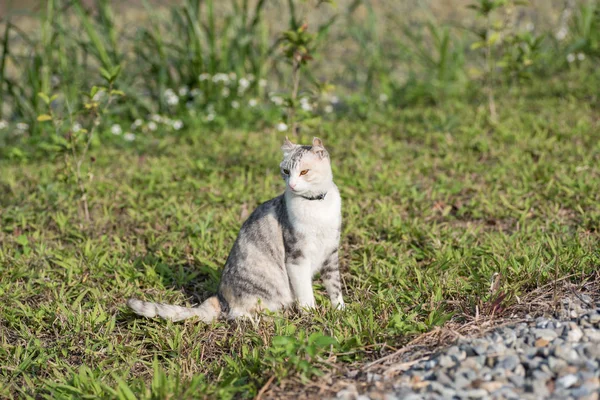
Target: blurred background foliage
(202, 65)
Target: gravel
(543, 358)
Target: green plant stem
(296, 64)
(490, 74)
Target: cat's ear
(318, 148)
(287, 146)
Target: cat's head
(306, 169)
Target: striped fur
(280, 247)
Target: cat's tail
(207, 311)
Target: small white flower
(210, 117)
(252, 102)
(137, 123)
(116, 129)
(562, 33)
(244, 83)
(530, 26)
(220, 77)
(235, 104)
(76, 127)
(262, 83)
(3, 124)
(277, 100)
(203, 77)
(306, 106)
(171, 97)
(232, 76)
(177, 124)
(152, 125)
(156, 118)
(225, 92)
(383, 97)
(580, 56)
(130, 137)
(183, 91)
(282, 127)
(335, 99)
(570, 57)
(328, 108)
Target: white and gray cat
(280, 247)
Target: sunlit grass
(435, 202)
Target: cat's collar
(319, 197)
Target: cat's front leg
(300, 275)
(330, 274)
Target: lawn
(436, 200)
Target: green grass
(436, 201)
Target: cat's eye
(286, 171)
(303, 172)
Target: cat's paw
(340, 306)
(307, 306)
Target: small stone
(446, 362)
(461, 382)
(547, 334)
(412, 396)
(580, 391)
(541, 342)
(490, 387)
(566, 353)
(556, 364)
(533, 363)
(348, 393)
(540, 388)
(476, 394)
(541, 322)
(509, 362)
(594, 318)
(566, 381)
(490, 362)
(574, 334)
(592, 334)
(479, 350)
(497, 348)
(471, 363)
(540, 375)
(516, 380)
(436, 387)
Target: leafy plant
(491, 37)
(302, 355)
(584, 29)
(74, 141)
(299, 47)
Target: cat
(280, 247)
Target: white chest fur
(318, 222)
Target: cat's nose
(292, 185)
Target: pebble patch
(543, 358)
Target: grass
(436, 201)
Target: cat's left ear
(287, 146)
(318, 148)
